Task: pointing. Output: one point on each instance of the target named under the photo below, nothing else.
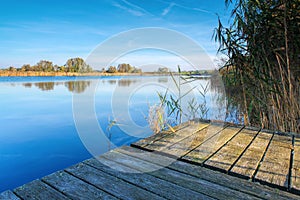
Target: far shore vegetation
(78, 67)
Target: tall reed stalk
(172, 110)
(262, 45)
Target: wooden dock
(198, 161)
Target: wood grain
(74, 187)
(209, 147)
(38, 190)
(8, 195)
(295, 177)
(228, 154)
(179, 135)
(232, 182)
(250, 160)
(274, 169)
(186, 145)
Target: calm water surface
(38, 135)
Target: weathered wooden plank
(155, 185)
(131, 162)
(38, 190)
(8, 195)
(250, 160)
(257, 190)
(184, 146)
(199, 185)
(228, 154)
(210, 146)
(170, 139)
(149, 140)
(295, 177)
(110, 184)
(274, 168)
(74, 187)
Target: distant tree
(136, 70)
(26, 68)
(77, 65)
(61, 69)
(112, 69)
(163, 70)
(44, 65)
(36, 68)
(12, 69)
(125, 68)
(56, 68)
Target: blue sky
(35, 30)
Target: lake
(38, 131)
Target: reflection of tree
(163, 79)
(77, 86)
(112, 82)
(45, 86)
(126, 82)
(73, 86)
(27, 85)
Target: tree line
(77, 65)
(122, 68)
(72, 65)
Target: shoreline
(70, 74)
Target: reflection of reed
(77, 86)
(216, 83)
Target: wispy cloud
(136, 7)
(133, 12)
(131, 8)
(168, 9)
(173, 4)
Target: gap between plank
(244, 151)
(71, 174)
(262, 158)
(220, 149)
(291, 164)
(181, 158)
(43, 181)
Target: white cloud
(136, 7)
(173, 4)
(168, 9)
(131, 8)
(131, 11)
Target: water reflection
(45, 86)
(27, 85)
(163, 79)
(73, 86)
(77, 86)
(111, 82)
(127, 82)
(26, 105)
